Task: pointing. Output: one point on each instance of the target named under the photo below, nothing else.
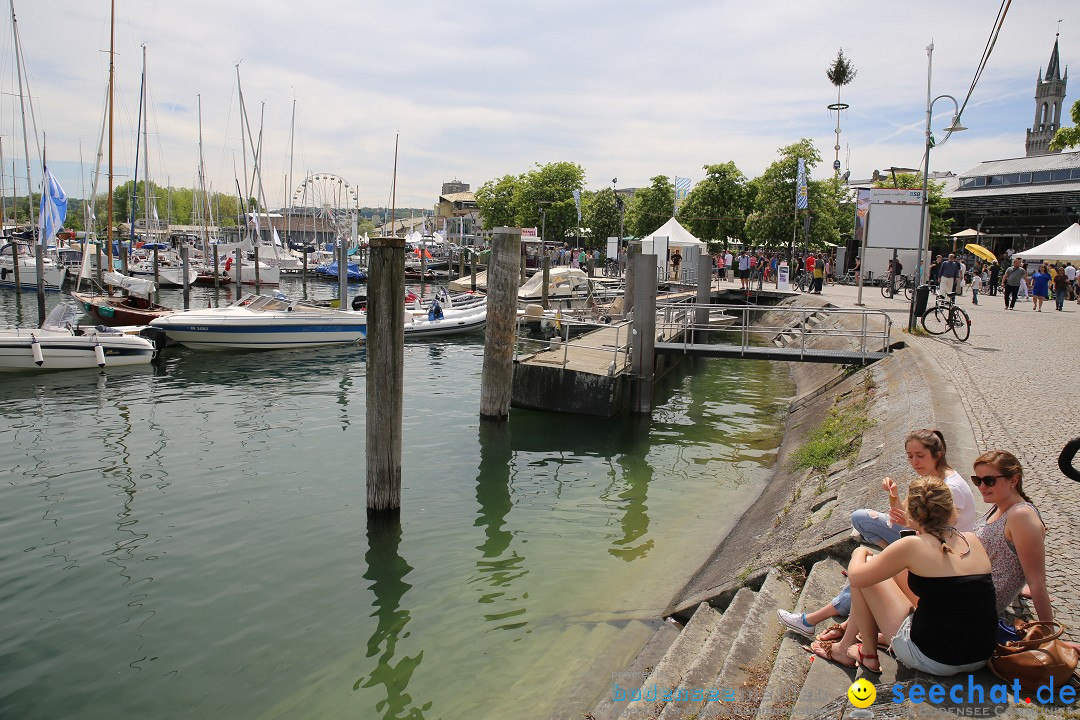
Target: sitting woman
(940, 636)
(926, 454)
(1012, 532)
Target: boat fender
(358, 303)
(35, 348)
(3, 273)
(99, 355)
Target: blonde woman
(941, 636)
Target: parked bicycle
(895, 283)
(611, 267)
(945, 315)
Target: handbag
(1038, 658)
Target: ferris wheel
(327, 197)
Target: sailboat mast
(146, 153)
(243, 144)
(138, 140)
(288, 178)
(112, 77)
(22, 109)
(202, 184)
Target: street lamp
(954, 126)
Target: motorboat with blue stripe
(264, 322)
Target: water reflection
(387, 570)
(498, 567)
(637, 473)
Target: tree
(495, 199)
(772, 221)
(936, 202)
(552, 187)
(651, 207)
(601, 216)
(1068, 137)
(716, 208)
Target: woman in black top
(949, 626)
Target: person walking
(1013, 279)
(995, 278)
(1040, 287)
(976, 285)
(728, 259)
(949, 276)
(819, 275)
(1061, 289)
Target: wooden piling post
(473, 281)
(97, 250)
(123, 254)
(385, 375)
(217, 278)
(630, 276)
(544, 302)
(184, 269)
(257, 278)
(461, 263)
(704, 294)
(500, 333)
(644, 338)
(521, 279)
(39, 269)
(124, 260)
(15, 265)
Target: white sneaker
(794, 622)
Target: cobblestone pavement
(1019, 380)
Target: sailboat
(53, 275)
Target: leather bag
(1036, 658)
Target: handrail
(616, 348)
(677, 319)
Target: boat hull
(239, 328)
(70, 352)
(99, 307)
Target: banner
(801, 199)
(577, 204)
(53, 209)
(682, 189)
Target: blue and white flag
(53, 209)
(801, 199)
(577, 204)
(682, 189)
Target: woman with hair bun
(1012, 532)
(940, 636)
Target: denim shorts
(907, 653)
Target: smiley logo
(862, 693)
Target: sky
(477, 89)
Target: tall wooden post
(236, 271)
(97, 251)
(521, 280)
(644, 339)
(461, 264)
(472, 283)
(630, 276)
(124, 264)
(157, 280)
(39, 268)
(544, 301)
(184, 269)
(704, 294)
(385, 374)
(15, 264)
(343, 277)
(257, 278)
(217, 277)
(499, 335)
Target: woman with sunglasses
(1012, 532)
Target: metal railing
(528, 346)
(681, 323)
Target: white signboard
(613, 247)
(783, 279)
(894, 218)
(897, 197)
(528, 232)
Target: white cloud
(478, 88)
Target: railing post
(802, 336)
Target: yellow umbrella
(980, 252)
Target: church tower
(1049, 99)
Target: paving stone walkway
(1018, 378)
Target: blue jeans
(874, 527)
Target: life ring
(1065, 459)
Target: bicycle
(945, 315)
(802, 280)
(895, 283)
(611, 267)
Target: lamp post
(954, 126)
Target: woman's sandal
(823, 650)
(835, 627)
(882, 646)
(860, 662)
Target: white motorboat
(267, 275)
(170, 272)
(263, 322)
(567, 288)
(60, 345)
(438, 322)
(54, 275)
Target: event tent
(677, 234)
(1063, 246)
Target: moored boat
(61, 345)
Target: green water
(190, 539)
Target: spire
(1053, 68)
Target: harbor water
(190, 539)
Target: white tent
(1063, 246)
(677, 235)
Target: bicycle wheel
(936, 320)
(908, 292)
(961, 324)
(887, 290)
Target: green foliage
(600, 214)
(841, 72)
(1068, 137)
(495, 200)
(650, 207)
(837, 438)
(516, 201)
(936, 200)
(772, 221)
(717, 207)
